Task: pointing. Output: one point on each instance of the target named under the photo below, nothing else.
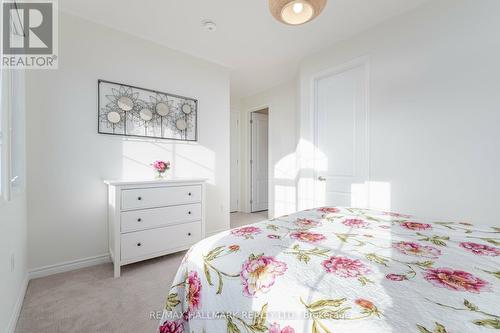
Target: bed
(334, 270)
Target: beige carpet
(91, 300)
(239, 219)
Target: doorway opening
(259, 168)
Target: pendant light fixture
(295, 12)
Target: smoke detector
(209, 25)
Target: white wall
(68, 160)
(12, 242)
(434, 107)
(13, 237)
(281, 102)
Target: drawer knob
(139, 198)
(189, 234)
(139, 244)
(189, 193)
(139, 219)
(189, 212)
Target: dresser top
(122, 182)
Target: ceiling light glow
(298, 7)
(296, 12)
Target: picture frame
(127, 110)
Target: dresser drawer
(134, 220)
(160, 196)
(149, 242)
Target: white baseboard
(18, 306)
(49, 270)
(68, 266)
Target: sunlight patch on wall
(380, 195)
(305, 193)
(310, 161)
(310, 157)
(187, 159)
(284, 200)
(192, 160)
(374, 195)
(285, 168)
(359, 195)
(284, 187)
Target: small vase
(160, 175)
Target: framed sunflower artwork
(132, 111)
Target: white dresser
(147, 219)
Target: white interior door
(341, 158)
(235, 161)
(259, 163)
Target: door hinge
(251, 121)
(251, 201)
(251, 161)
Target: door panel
(341, 133)
(235, 165)
(259, 162)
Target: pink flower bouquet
(161, 167)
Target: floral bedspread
(339, 270)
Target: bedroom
(371, 112)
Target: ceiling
(259, 51)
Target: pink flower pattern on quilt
(259, 273)
(337, 261)
(480, 249)
(356, 223)
(416, 226)
(455, 280)
(247, 232)
(194, 293)
(345, 267)
(416, 249)
(307, 236)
